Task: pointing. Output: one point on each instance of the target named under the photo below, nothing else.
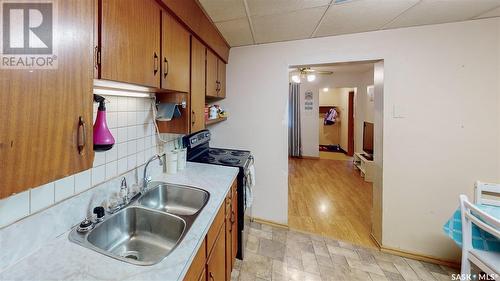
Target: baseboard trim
(271, 223)
(379, 246)
(420, 257)
(310, 157)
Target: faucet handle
(124, 183)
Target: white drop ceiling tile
(360, 16)
(290, 26)
(272, 7)
(223, 10)
(441, 11)
(236, 32)
(490, 14)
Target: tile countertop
(61, 259)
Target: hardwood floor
(334, 156)
(329, 198)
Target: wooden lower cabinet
(215, 258)
(216, 264)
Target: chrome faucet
(124, 192)
(146, 179)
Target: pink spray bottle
(103, 139)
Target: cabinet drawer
(198, 264)
(214, 229)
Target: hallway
(329, 198)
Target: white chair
(489, 262)
(492, 190)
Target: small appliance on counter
(103, 139)
(198, 150)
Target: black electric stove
(199, 150)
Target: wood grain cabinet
(129, 41)
(216, 76)
(197, 85)
(219, 245)
(46, 127)
(216, 264)
(175, 52)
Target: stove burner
(229, 161)
(238, 153)
(217, 151)
(208, 159)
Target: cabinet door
(216, 265)
(221, 78)
(175, 50)
(197, 85)
(234, 227)
(130, 41)
(228, 232)
(41, 108)
(212, 84)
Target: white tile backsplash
(131, 122)
(41, 197)
(14, 208)
(83, 181)
(64, 188)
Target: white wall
(440, 118)
(309, 119)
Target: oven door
(247, 209)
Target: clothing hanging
(330, 117)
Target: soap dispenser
(103, 139)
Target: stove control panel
(197, 138)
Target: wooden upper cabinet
(47, 113)
(216, 76)
(211, 74)
(175, 51)
(221, 78)
(130, 41)
(197, 85)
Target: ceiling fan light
(311, 77)
(295, 78)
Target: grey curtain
(294, 141)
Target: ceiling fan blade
(324, 72)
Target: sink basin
(149, 228)
(137, 235)
(175, 199)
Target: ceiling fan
(307, 72)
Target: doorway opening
(334, 165)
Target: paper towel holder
(166, 111)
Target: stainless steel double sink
(150, 228)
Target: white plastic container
(181, 158)
(171, 159)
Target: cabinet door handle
(217, 89)
(165, 66)
(233, 220)
(193, 117)
(82, 135)
(211, 275)
(155, 58)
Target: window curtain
(294, 141)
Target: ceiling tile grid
(247, 22)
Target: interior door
(197, 85)
(212, 73)
(175, 50)
(350, 125)
(130, 41)
(221, 77)
(47, 113)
